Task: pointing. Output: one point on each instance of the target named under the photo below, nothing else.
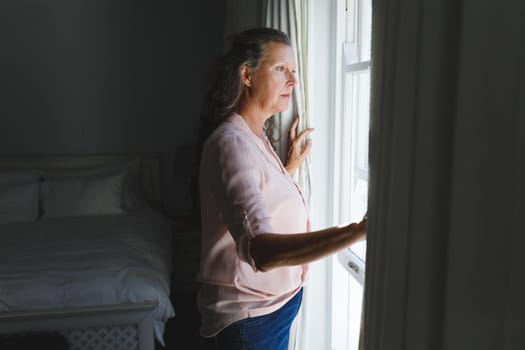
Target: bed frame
(122, 327)
(115, 327)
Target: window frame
(351, 64)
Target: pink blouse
(245, 191)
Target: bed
(85, 251)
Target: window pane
(348, 298)
(355, 181)
(351, 21)
(362, 119)
(365, 29)
(351, 191)
(355, 301)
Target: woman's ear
(246, 75)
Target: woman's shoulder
(225, 134)
(229, 145)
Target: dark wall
(107, 76)
(104, 76)
(189, 40)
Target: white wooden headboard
(150, 167)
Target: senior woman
(256, 238)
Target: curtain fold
(446, 182)
(290, 16)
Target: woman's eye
(280, 68)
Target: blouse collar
(237, 120)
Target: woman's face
(270, 85)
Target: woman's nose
(292, 78)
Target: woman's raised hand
(298, 150)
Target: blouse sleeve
(241, 178)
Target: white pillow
(18, 177)
(111, 189)
(81, 196)
(19, 202)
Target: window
(351, 170)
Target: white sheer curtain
(447, 187)
(290, 16)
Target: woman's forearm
(272, 250)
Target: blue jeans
(266, 332)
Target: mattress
(87, 261)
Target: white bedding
(87, 261)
